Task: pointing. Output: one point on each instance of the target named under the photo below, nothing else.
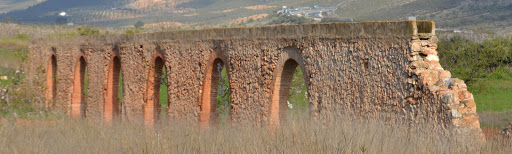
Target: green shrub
(291, 20)
(468, 59)
(85, 30)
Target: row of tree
(468, 59)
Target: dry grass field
(296, 136)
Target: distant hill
(484, 15)
(12, 5)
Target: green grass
(13, 52)
(9, 72)
(298, 90)
(86, 82)
(493, 94)
(163, 93)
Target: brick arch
(288, 61)
(111, 107)
(152, 105)
(208, 101)
(78, 102)
(51, 80)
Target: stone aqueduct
(373, 69)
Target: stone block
(470, 119)
(464, 94)
(416, 47)
(432, 58)
(469, 103)
(420, 64)
(428, 51)
(456, 114)
(445, 74)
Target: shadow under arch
(208, 103)
(51, 80)
(152, 106)
(289, 59)
(78, 102)
(112, 103)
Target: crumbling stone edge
(426, 71)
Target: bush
(281, 19)
(85, 30)
(468, 59)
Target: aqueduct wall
(388, 69)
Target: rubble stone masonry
(373, 69)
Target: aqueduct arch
(112, 110)
(152, 106)
(289, 60)
(208, 102)
(51, 82)
(78, 102)
(386, 69)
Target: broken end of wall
(457, 103)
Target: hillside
(12, 5)
(484, 15)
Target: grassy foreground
(297, 136)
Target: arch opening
(51, 81)
(215, 107)
(113, 102)
(289, 97)
(78, 101)
(157, 96)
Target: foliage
(133, 31)
(289, 19)
(85, 30)
(468, 59)
(298, 91)
(17, 42)
(17, 98)
(485, 66)
(139, 24)
(223, 99)
(65, 34)
(331, 19)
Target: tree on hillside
(139, 24)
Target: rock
(429, 51)
(433, 58)
(470, 119)
(456, 114)
(507, 132)
(448, 81)
(416, 47)
(469, 103)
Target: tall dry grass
(296, 136)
